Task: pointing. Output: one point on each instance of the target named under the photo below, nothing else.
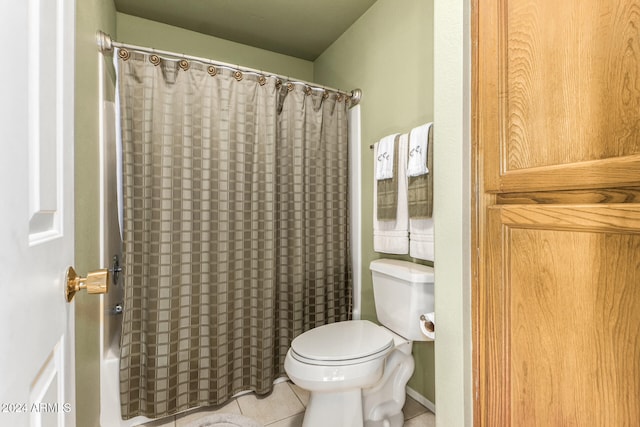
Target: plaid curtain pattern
(236, 228)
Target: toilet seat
(342, 343)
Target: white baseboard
(421, 399)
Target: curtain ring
(278, 83)
(339, 97)
(262, 80)
(124, 54)
(184, 64)
(308, 91)
(154, 59)
(325, 95)
(212, 70)
(237, 75)
(289, 86)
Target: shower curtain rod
(106, 44)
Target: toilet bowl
(339, 356)
(356, 371)
(335, 368)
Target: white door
(36, 217)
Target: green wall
(388, 53)
(143, 32)
(91, 15)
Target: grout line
(283, 419)
(297, 397)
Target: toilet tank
(402, 291)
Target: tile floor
(285, 408)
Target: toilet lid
(344, 342)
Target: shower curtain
(236, 228)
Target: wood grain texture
(561, 319)
(604, 195)
(556, 223)
(559, 94)
(621, 218)
(585, 59)
(575, 344)
(612, 172)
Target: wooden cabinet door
(556, 295)
(561, 342)
(559, 93)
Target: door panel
(36, 227)
(571, 52)
(560, 84)
(565, 311)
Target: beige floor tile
(280, 404)
(428, 419)
(187, 417)
(284, 408)
(295, 421)
(161, 422)
(302, 394)
(412, 408)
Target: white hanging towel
(384, 157)
(418, 146)
(392, 236)
(421, 245)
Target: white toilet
(356, 371)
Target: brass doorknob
(96, 282)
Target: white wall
(452, 207)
